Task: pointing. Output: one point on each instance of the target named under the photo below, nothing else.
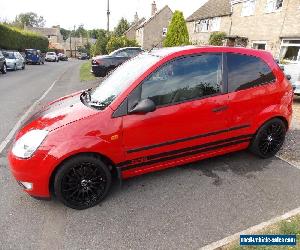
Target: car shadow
(243, 164)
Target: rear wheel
(82, 182)
(269, 138)
(4, 69)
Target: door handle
(220, 109)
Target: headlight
(29, 143)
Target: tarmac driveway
(180, 208)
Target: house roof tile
(212, 8)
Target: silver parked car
(14, 60)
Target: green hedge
(15, 39)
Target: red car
(158, 110)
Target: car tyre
(269, 138)
(15, 67)
(23, 67)
(82, 182)
(4, 69)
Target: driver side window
(184, 79)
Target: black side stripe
(187, 139)
(142, 164)
(179, 151)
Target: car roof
(128, 48)
(163, 52)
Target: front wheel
(269, 138)
(23, 67)
(82, 182)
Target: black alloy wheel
(82, 182)
(269, 138)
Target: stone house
(131, 32)
(272, 25)
(214, 15)
(53, 34)
(150, 33)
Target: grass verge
(85, 72)
(289, 226)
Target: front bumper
(34, 173)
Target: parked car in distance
(51, 57)
(102, 65)
(62, 57)
(3, 68)
(296, 85)
(34, 56)
(83, 56)
(14, 60)
(158, 110)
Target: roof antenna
(153, 47)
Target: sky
(90, 13)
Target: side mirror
(288, 77)
(281, 67)
(143, 107)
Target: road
(180, 208)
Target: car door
(18, 60)
(2, 60)
(248, 94)
(191, 115)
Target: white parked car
(51, 57)
(296, 86)
(14, 60)
(293, 69)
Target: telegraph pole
(108, 13)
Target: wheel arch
(285, 121)
(111, 167)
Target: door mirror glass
(288, 77)
(143, 107)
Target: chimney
(136, 18)
(153, 8)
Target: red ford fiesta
(158, 110)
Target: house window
(259, 45)
(273, 5)
(164, 31)
(215, 24)
(248, 8)
(202, 26)
(290, 50)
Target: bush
(216, 38)
(120, 42)
(177, 34)
(16, 39)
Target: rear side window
(184, 79)
(133, 52)
(246, 72)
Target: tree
(30, 19)
(122, 26)
(177, 34)
(216, 38)
(116, 42)
(99, 48)
(65, 33)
